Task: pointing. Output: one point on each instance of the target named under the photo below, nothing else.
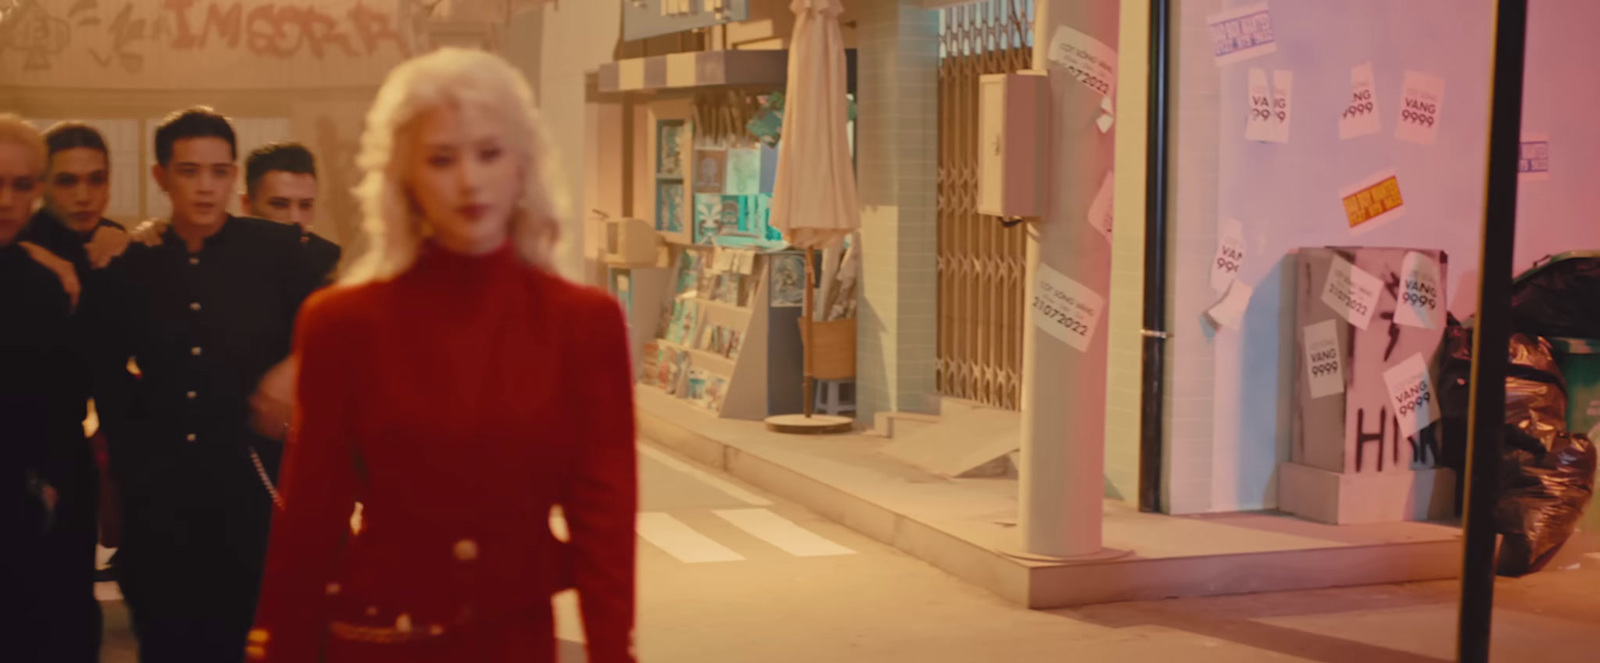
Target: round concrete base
(817, 424)
(1104, 555)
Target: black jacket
(322, 254)
(202, 329)
(47, 231)
(35, 391)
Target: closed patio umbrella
(814, 200)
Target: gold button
(435, 630)
(191, 437)
(194, 306)
(332, 589)
(192, 395)
(372, 611)
(195, 350)
(466, 550)
(259, 636)
(403, 623)
(194, 261)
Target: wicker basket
(833, 354)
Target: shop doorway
(982, 263)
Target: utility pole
(1069, 267)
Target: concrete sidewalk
(966, 526)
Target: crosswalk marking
(782, 533)
(709, 479)
(675, 538)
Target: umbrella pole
(805, 342)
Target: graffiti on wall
(121, 35)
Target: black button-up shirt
(202, 328)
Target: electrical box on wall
(1013, 147)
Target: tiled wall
(1126, 317)
(1191, 233)
(897, 165)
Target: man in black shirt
(281, 185)
(36, 417)
(205, 315)
(72, 226)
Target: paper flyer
(1360, 116)
(1411, 394)
(1324, 363)
(1229, 312)
(1241, 33)
(1420, 103)
(1533, 159)
(1282, 94)
(1259, 126)
(1230, 255)
(1421, 303)
(1100, 211)
(1087, 60)
(1352, 292)
(1066, 309)
(1372, 202)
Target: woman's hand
(62, 268)
(272, 406)
(105, 245)
(149, 232)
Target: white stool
(830, 397)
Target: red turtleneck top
(458, 402)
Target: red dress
(458, 403)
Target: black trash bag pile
(1545, 481)
(1558, 299)
(1546, 474)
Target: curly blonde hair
(467, 78)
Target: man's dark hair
(287, 157)
(71, 135)
(195, 122)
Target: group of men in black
(174, 331)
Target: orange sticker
(1372, 202)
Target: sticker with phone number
(1420, 104)
(1065, 309)
(1086, 59)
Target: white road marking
(782, 532)
(569, 620)
(711, 480)
(675, 538)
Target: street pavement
(728, 573)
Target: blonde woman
(459, 389)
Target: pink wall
(1286, 195)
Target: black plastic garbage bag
(1535, 393)
(1546, 475)
(1545, 481)
(1557, 298)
